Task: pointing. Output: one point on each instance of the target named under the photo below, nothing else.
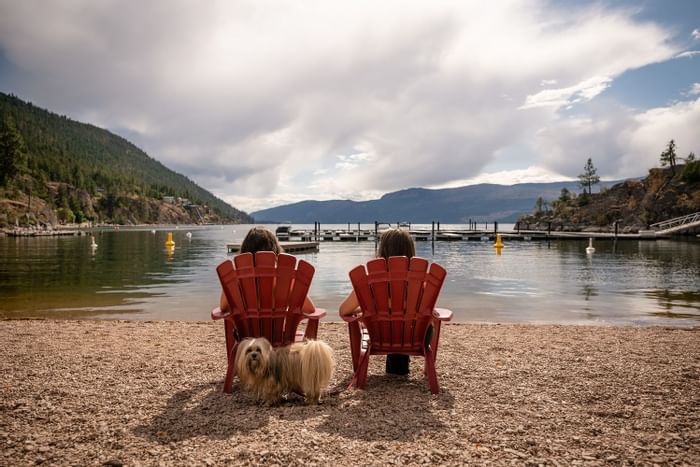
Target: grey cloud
(240, 95)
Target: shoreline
(148, 392)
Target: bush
(80, 217)
(66, 215)
(691, 172)
(583, 199)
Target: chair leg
(436, 337)
(431, 372)
(231, 369)
(355, 343)
(311, 329)
(362, 370)
(228, 330)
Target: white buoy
(589, 249)
(153, 231)
(92, 242)
(188, 235)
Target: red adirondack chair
(397, 298)
(265, 295)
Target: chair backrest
(397, 297)
(265, 293)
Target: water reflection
(132, 274)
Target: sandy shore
(143, 393)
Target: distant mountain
(73, 172)
(483, 202)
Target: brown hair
(260, 239)
(396, 242)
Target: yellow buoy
(169, 243)
(499, 242)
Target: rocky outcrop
(633, 205)
(61, 203)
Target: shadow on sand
(390, 408)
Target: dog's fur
(270, 374)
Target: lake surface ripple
(131, 275)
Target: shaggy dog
(270, 374)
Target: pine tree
(12, 152)
(588, 178)
(539, 205)
(668, 157)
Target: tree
(691, 157)
(565, 195)
(588, 178)
(668, 157)
(539, 205)
(12, 152)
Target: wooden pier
(325, 236)
(289, 247)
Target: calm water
(130, 275)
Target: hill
(634, 204)
(482, 202)
(74, 172)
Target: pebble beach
(90, 392)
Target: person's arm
(223, 303)
(350, 305)
(308, 306)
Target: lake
(130, 275)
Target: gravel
(149, 393)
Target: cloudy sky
(270, 102)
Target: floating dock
(289, 247)
(307, 245)
(467, 235)
(42, 233)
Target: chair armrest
(350, 318)
(317, 314)
(443, 314)
(216, 313)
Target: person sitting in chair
(262, 239)
(393, 242)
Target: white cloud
(688, 54)
(352, 161)
(255, 99)
(532, 174)
(622, 143)
(583, 91)
(695, 34)
(694, 89)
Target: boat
(282, 232)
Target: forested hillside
(68, 171)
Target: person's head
(396, 242)
(260, 239)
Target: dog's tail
(317, 364)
